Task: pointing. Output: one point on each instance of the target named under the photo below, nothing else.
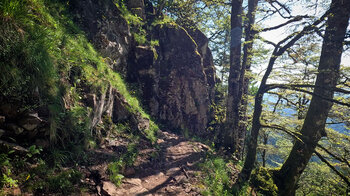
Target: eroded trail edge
(169, 169)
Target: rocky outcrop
(179, 85)
(177, 80)
(20, 125)
(106, 28)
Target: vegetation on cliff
(84, 85)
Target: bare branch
(295, 135)
(295, 19)
(334, 156)
(282, 6)
(269, 87)
(333, 168)
(291, 86)
(267, 41)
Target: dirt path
(169, 170)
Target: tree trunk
(230, 136)
(258, 108)
(246, 64)
(328, 73)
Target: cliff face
(176, 87)
(177, 81)
(105, 27)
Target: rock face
(177, 80)
(179, 85)
(106, 28)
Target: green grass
(216, 177)
(47, 49)
(45, 56)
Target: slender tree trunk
(230, 136)
(246, 64)
(328, 73)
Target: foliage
(216, 177)
(318, 179)
(114, 169)
(49, 181)
(6, 179)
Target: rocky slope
(177, 78)
(62, 92)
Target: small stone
(159, 141)
(30, 122)
(133, 181)
(16, 191)
(98, 188)
(180, 179)
(109, 188)
(172, 171)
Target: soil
(169, 169)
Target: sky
(279, 34)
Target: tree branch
(295, 135)
(334, 156)
(333, 168)
(269, 87)
(291, 86)
(295, 19)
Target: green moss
(262, 180)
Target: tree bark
(246, 64)
(230, 136)
(328, 73)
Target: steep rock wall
(178, 86)
(177, 83)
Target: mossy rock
(262, 180)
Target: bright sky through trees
(280, 33)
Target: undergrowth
(50, 63)
(47, 48)
(216, 177)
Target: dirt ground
(169, 169)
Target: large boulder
(177, 83)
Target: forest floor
(169, 169)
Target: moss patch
(262, 180)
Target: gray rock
(108, 188)
(30, 122)
(104, 25)
(178, 87)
